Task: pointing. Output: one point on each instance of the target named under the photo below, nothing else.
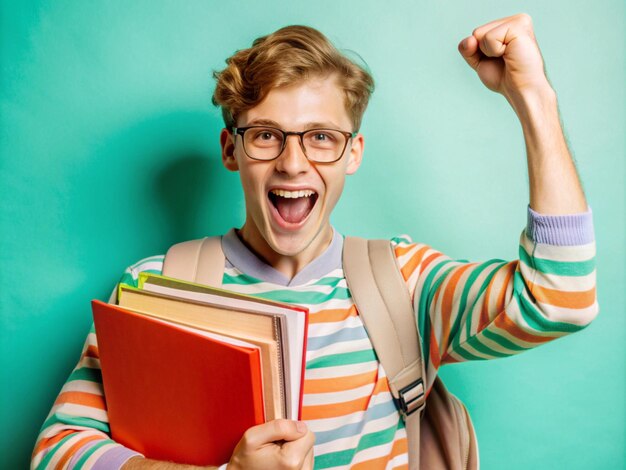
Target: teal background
(109, 153)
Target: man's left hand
(506, 57)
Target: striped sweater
(465, 311)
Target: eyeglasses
(319, 145)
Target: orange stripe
(332, 315)
(484, 314)
(70, 452)
(511, 268)
(399, 447)
(435, 357)
(448, 302)
(505, 323)
(81, 398)
(380, 462)
(447, 359)
(559, 298)
(403, 250)
(52, 441)
(426, 262)
(333, 410)
(415, 260)
(483, 320)
(339, 384)
(92, 351)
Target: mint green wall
(109, 153)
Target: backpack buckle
(411, 398)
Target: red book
(173, 393)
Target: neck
(287, 264)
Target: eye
(265, 135)
(321, 136)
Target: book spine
(281, 376)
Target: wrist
(531, 102)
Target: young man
(292, 107)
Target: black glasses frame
(242, 130)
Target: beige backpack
(439, 430)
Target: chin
(289, 245)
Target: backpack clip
(411, 398)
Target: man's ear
(356, 154)
(227, 141)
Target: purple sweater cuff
(115, 458)
(560, 230)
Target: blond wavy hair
(288, 56)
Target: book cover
(174, 393)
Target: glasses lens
(324, 145)
(263, 143)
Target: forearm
(555, 188)
(139, 463)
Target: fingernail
(300, 426)
(464, 43)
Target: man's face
(296, 226)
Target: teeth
(292, 194)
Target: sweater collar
(246, 261)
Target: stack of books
(188, 368)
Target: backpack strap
(201, 261)
(385, 306)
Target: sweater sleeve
(76, 433)
(475, 311)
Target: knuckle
(247, 436)
(281, 426)
(290, 461)
(525, 19)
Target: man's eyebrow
(308, 125)
(263, 122)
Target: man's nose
(292, 159)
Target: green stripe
(428, 292)
(244, 280)
(483, 287)
(89, 452)
(328, 281)
(475, 343)
(334, 459)
(466, 355)
(46, 460)
(62, 418)
(377, 438)
(560, 268)
(502, 341)
(241, 280)
(345, 457)
(342, 359)
(310, 298)
(128, 280)
(535, 319)
(469, 283)
(399, 240)
(86, 373)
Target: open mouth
(293, 206)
